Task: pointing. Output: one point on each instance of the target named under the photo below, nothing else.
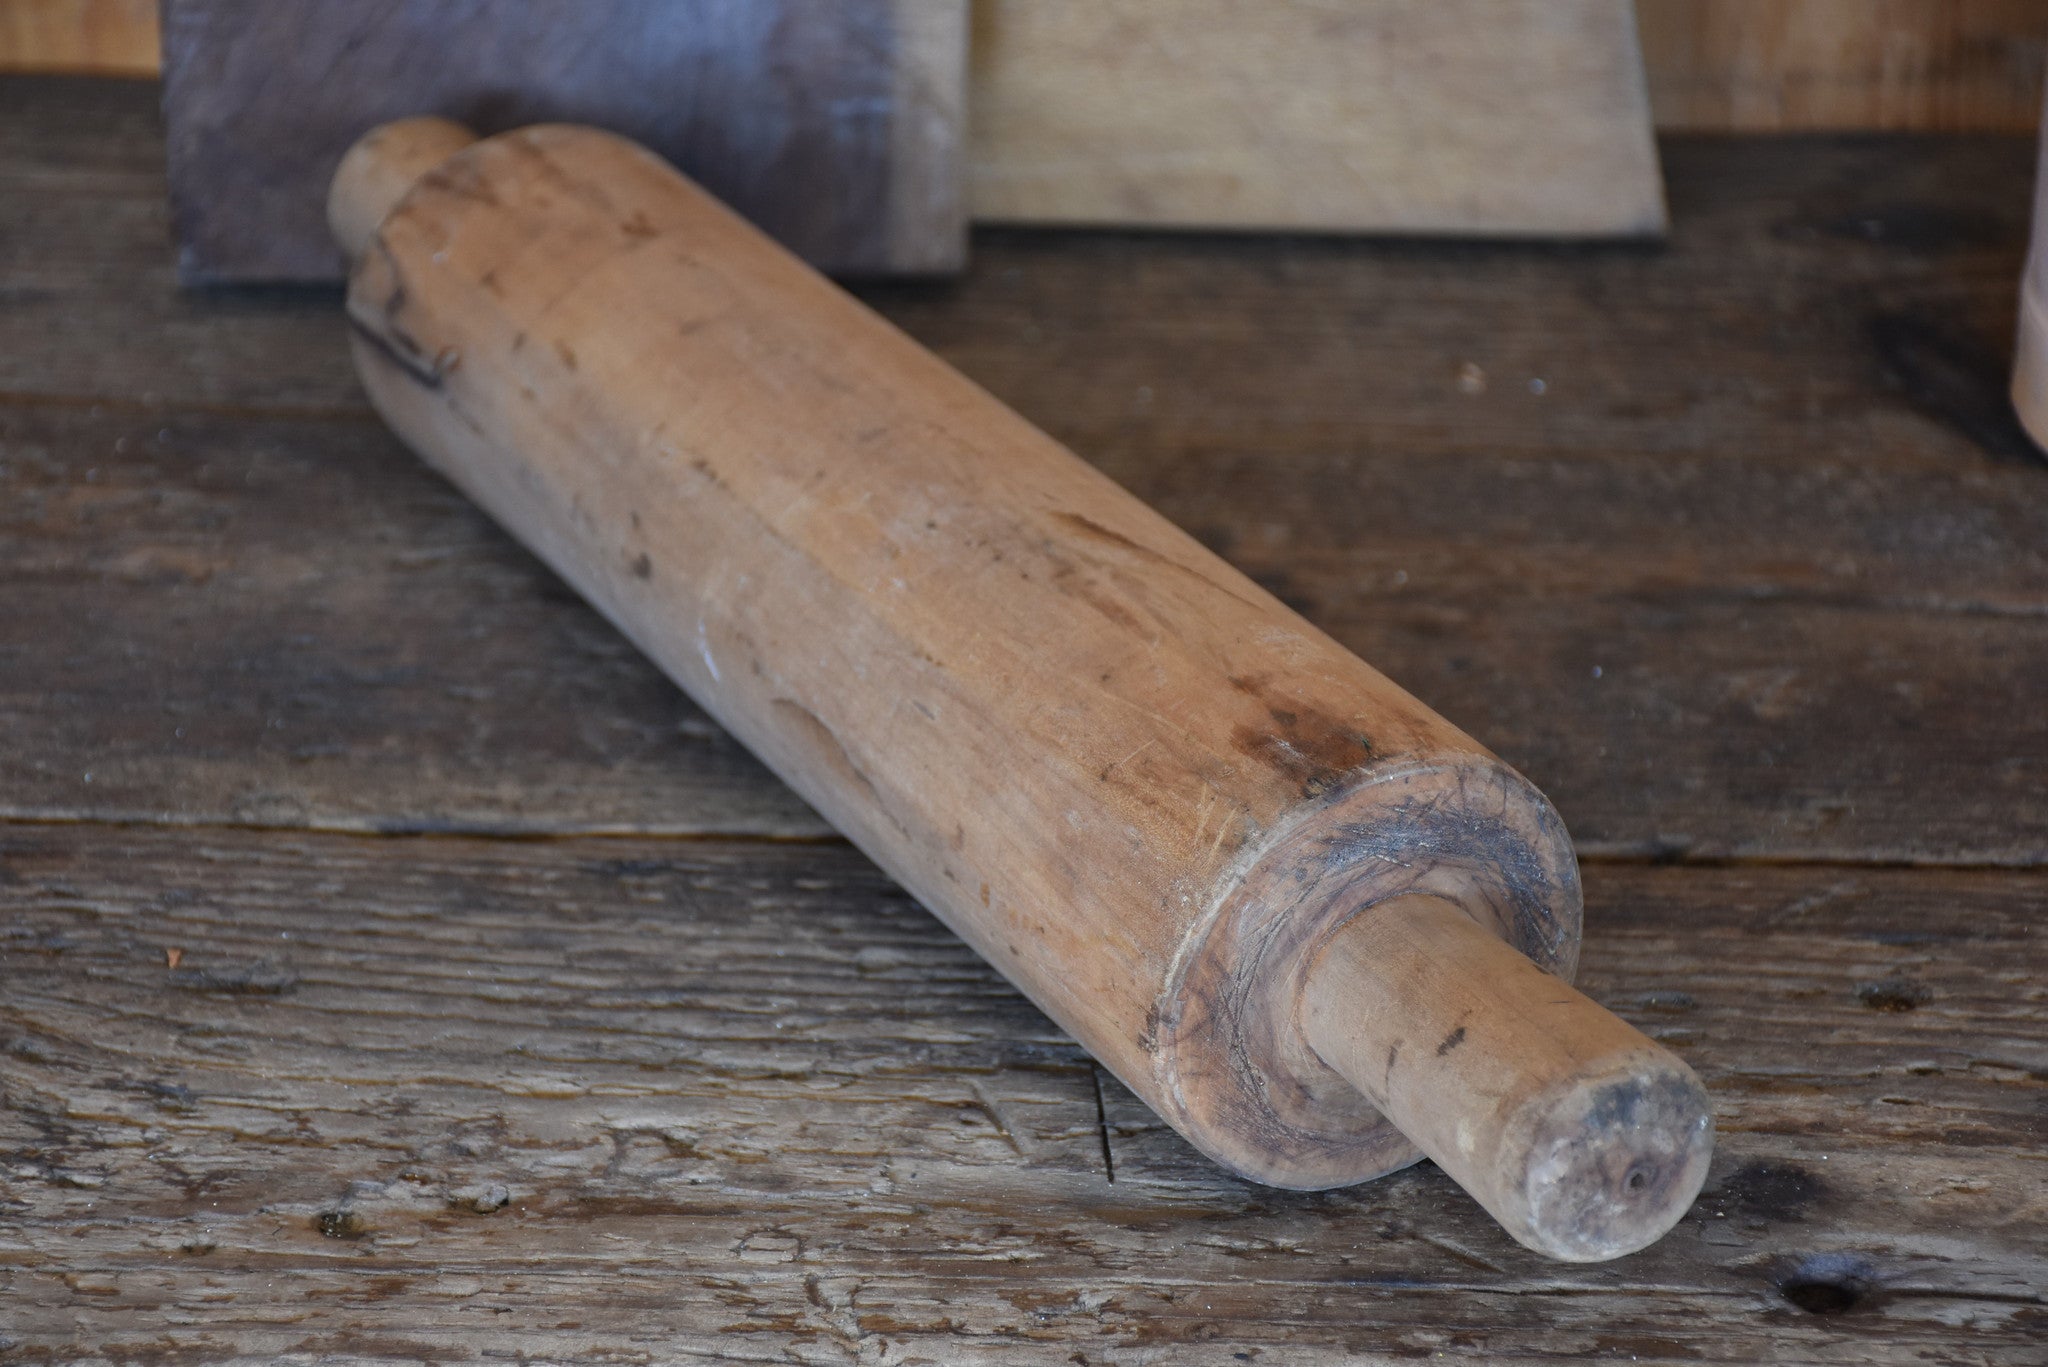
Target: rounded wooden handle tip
(1582, 1136)
(379, 169)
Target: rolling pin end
(379, 169)
(1584, 1138)
(1612, 1161)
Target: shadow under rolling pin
(1316, 927)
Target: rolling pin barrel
(1316, 927)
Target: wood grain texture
(1127, 775)
(836, 127)
(1711, 65)
(1586, 1139)
(1772, 65)
(1770, 491)
(747, 1102)
(1458, 116)
(1753, 697)
(604, 1100)
(99, 37)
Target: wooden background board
(1726, 65)
(834, 126)
(1765, 65)
(1459, 116)
(110, 37)
(674, 1073)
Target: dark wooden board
(837, 126)
(747, 1103)
(291, 622)
(1850, 298)
(1775, 517)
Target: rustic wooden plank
(87, 271)
(226, 619)
(1848, 298)
(1784, 673)
(1820, 296)
(835, 127)
(1772, 65)
(103, 37)
(1434, 116)
(293, 623)
(1711, 65)
(589, 1099)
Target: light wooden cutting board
(1508, 117)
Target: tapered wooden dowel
(1582, 1136)
(1278, 896)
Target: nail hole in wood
(1827, 1284)
(1894, 994)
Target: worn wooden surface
(837, 127)
(1459, 116)
(746, 1102)
(1771, 65)
(109, 37)
(1712, 65)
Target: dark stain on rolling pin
(1498, 853)
(1089, 527)
(1451, 1041)
(390, 339)
(1094, 531)
(1148, 1036)
(828, 749)
(568, 355)
(643, 567)
(1067, 579)
(463, 180)
(1311, 748)
(1603, 1194)
(421, 373)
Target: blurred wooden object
(2030, 358)
(834, 125)
(1712, 65)
(1463, 116)
(96, 37)
(1770, 65)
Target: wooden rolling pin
(1311, 923)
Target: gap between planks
(1603, 858)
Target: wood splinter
(1316, 927)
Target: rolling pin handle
(1582, 1136)
(379, 169)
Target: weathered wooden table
(394, 967)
